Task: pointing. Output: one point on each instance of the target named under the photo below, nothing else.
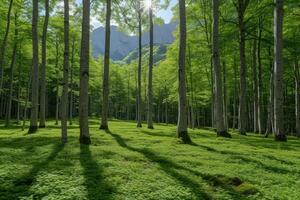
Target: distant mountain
(159, 53)
(122, 45)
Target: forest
(209, 109)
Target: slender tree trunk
(139, 88)
(192, 124)
(11, 75)
(270, 122)
(3, 45)
(64, 98)
(234, 119)
(26, 100)
(43, 69)
(104, 123)
(241, 8)
(35, 71)
(150, 93)
(221, 129)
(71, 84)
(182, 132)
(297, 97)
(84, 75)
(260, 113)
(255, 87)
(225, 96)
(278, 72)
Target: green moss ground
(139, 164)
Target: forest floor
(141, 164)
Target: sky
(166, 15)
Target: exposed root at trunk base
(280, 138)
(139, 125)
(32, 129)
(85, 140)
(223, 134)
(42, 126)
(150, 127)
(184, 137)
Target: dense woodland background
(245, 72)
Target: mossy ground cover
(138, 164)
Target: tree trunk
(64, 98)
(71, 84)
(11, 75)
(3, 45)
(43, 69)
(150, 93)
(182, 132)
(260, 113)
(255, 86)
(225, 96)
(84, 75)
(104, 123)
(297, 97)
(220, 126)
(192, 124)
(139, 96)
(35, 71)
(270, 120)
(241, 8)
(235, 91)
(278, 72)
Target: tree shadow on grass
(238, 156)
(171, 168)
(20, 187)
(97, 188)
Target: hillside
(122, 44)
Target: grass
(138, 164)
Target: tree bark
(150, 93)
(4, 43)
(64, 98)
(220, 126)
(43, 69)
(255, 88)
(270, 120)
(35, 71)
(139, 88)
(278, 72)
(84, 75)
(11, 75)
(71, 84)
(241, 8)
(182, 132)
(104, 120)
(260, 111)
(297, 97)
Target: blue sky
(166, 15)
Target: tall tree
(220, 125)
(139, 85)
(43, 68)
(255, 88)
(182, 132)
(3, 49)
(11, 74)
(278, 72)
(35, 69)
(297, 97)
(241, 7)
(64, 99)
(150, 92)
(104, 123)
(71, 83)
(84, 75)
